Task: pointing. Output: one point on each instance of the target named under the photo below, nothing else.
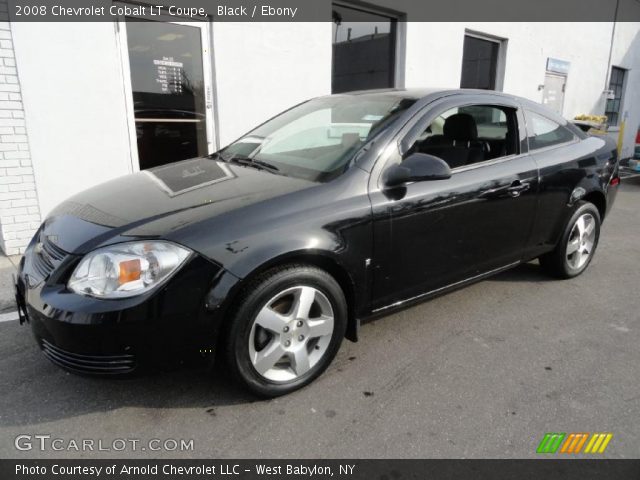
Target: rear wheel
(577, 245)
(286, 330)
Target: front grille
(46, 256)
(89, 364)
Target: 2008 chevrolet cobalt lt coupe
(272, 250)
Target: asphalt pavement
(8, 267)
(485, 371)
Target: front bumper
(106, 337)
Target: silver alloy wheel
(581, 241)
(291, 333)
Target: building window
(479, 63)
(364, 45)
(616, 85)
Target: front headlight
(126, 269)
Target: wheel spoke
(266, 358)
(320, 327)
(304, 300)
(300, 361)
(271, 320)
(588, 246)
(589, 227)
(580, 225)
(573, 246)
(584, 256)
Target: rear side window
(544, 132)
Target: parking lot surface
(485, 371)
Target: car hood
(156, 202)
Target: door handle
(517, 188)
(514, 190)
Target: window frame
(421, 125)
(396, 149)
(620, 100)
(209, 75)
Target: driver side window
(470, 134)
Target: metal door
(553, 92)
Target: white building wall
(73, 92)
(626, 54)
(264, 68)
(434, 57)
(584, 45)
(19, 210)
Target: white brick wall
(19, 210)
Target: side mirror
(417, 167)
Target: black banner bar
(547, 469)
(320, 10)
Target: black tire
(256, 295)
(557, 263)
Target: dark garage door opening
(479, 63)
(364, 46)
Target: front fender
(354, 283)
(343, 252)
(330, 221)
(242, 257)
(340, 252)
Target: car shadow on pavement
(34, 391)
(524, 273)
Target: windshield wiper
(252, 162)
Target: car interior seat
(459, 144)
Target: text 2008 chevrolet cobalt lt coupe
(270, 251)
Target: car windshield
(317, 139)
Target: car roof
(409, 93)
(425, 95)
(420, 93)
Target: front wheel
(286, 329)
(577, 245)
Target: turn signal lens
(127, 269)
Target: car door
(431, 234)
(564, 163)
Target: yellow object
(592, 118)
(620, 138)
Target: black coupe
(269, 252)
